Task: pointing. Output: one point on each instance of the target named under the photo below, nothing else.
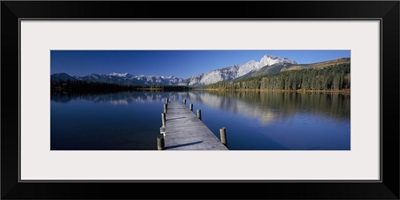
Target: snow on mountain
(267, 63)
(123, 78)
(120, 74)
(268, 60)
(247, 67)
(236, 71)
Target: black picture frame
(386, 11)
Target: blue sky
(179, 63)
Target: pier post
(160, 142)
(222, 133)
(184, 101)
(199, 114)
(191, 107)
(163, 119)
(165, 107)
(163, 131)
(166, 100)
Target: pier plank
(185, 131)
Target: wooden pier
(183, 130)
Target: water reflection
(267, 106)
(121, 98)
(254, 120)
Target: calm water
(254, 120)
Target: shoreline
(344, 91)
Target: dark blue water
(254, 120)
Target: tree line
(86, 87)
(336, 77)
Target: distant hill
(62, 77)
(319, 65)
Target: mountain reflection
(270, 106)
(121, 98)
(266, 106)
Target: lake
(253, 120)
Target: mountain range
(267, 65)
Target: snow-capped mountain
(237, 71)
(122, 78)
(267, 64)
(225, 74)
(121, 75)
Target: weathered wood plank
(185, 131)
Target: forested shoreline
(334, 78)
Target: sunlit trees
(330, 78)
